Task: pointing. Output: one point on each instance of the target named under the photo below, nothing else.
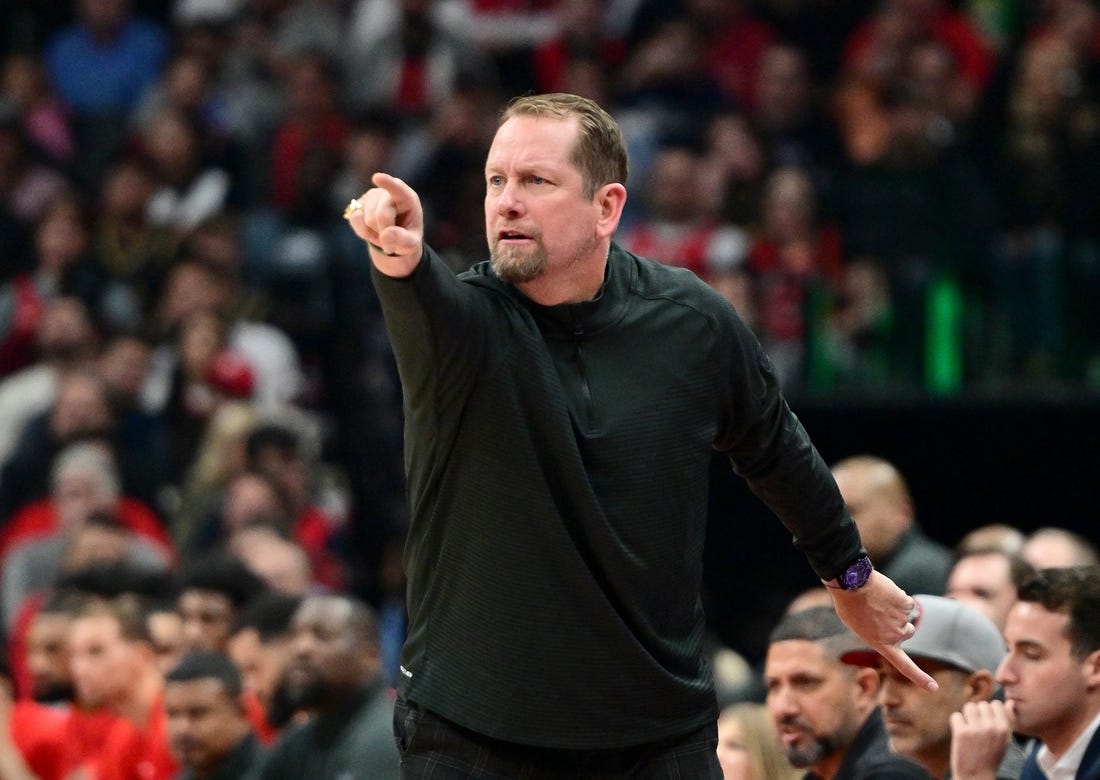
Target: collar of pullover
(568, 320)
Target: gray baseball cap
(948, 631)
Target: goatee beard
(515, 266)
(807, 756)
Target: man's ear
(611, 199)
(980, 686)
(1090, 667)
(867, 680)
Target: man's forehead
(982, 564)
(1031, 620)
(204, 688)
(789, 655)
(330, 614)
(97, 624)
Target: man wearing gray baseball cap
(961, 648)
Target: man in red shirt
(113, 663)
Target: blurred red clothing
(133, 753)
(781, 289)
(313, 531)
(257, 718)
(39, 518)
(291, 149)
(952, 28)
(38, 732)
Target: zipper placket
(586, 390)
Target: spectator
(407, 56)
(103, 492)
(249, 498)
(316, 503)
(335, 673)
(31, 746)
(681, 226)
(113, 663)
(207, 373)
(128, 247)
(994, 536)
(308, 144)
(282, 563)
(735, 164)
(825, 710)
(748, 745)
(260, 647)
(797, 266)
(882, 507)
(787, 115)
(585, 43)
(1055, 548)
(1051, 675)
(101, 66)
(211, 591)
(124, 366)
(46, 642)
(82, 410)
(207, 728)
(46, 539)
(27, 186)
(190, 188)
(59, 268)
(988, 580)
(64, 339)
(165, 627)
(735, 41)
(219, 457)
(879, 47)
(192, 286)
(962, 649)
(45, 123)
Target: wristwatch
(854, 577)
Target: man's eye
(496, 181)
(537, 180)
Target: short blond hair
(600, 151)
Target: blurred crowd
(896, 196)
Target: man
(211, 591)
(1056, 548)
(113, 664)
(882, 507)
(1051, 675)
(961, 648)
(260, 647)
(335, 673)
(207, 726)
(46, 643)
(85, 482)
(32, 745)
(824, 709)
(987, 579)
(563, 403)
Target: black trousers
(433, 747)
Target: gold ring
(353, 206)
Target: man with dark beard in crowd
(334, 672)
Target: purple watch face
(856, 575)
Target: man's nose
(508, 202)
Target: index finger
(898, 658)
(402, 195)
